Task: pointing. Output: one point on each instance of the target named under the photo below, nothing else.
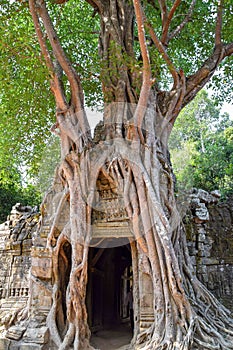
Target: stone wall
(210, 240)
(15, 261)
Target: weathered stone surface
(23, 247)
(31, 346)
(15, 261)
(200, 211)
(41, 267)
(4, 343)
(15, 332)
(38, 335)
(210, 243)
(216, 194)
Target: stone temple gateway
(26, 276)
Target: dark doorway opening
(110, 278)
(64, 268)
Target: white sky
(227, 108)
(93, 117)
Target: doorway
(110, 278)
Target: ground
(113, 339)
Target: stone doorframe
(120, 233)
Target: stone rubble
(209, 227)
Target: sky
(228, 108)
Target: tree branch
(56, 85)
(163, 9)
(164, 54)
(40, 37)
(97, 5)
(168, 21)
(76, 90)
(146, 77)
(59, 2)
(77, 96)
(180, 99)
(197, 81)
(218, 30)
(182, 24)
(227, 50)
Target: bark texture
(132, 153)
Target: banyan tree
(154, 57)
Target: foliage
(26, 103)
(49, 161)
(12, 190)
(26, 118)
(202, 147)
(194, 44)
(165, 57)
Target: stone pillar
(146, 297)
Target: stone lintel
(111, 230)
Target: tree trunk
(132, 154)
(183, 308)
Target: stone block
(201, 213)
(31, 347)
(41, 267)
(147, 302)
(201, 253)
(213, 261)
(40, 252)
(4, 344)
(36, 335)
(216, 193)
(201, 237)
(204, 196)
(15, 332)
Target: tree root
(183, 308)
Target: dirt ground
(117, 338)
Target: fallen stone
(37, 335)
(15, 332)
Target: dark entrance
(110, 277)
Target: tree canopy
(25, 78)
(25, 117)
(142, 62)
(201, 147)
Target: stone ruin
(26, 271)
(15, 260)
(209, 229)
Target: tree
(143, 93)
(13, 188)
(201, 147)
(12, 191)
